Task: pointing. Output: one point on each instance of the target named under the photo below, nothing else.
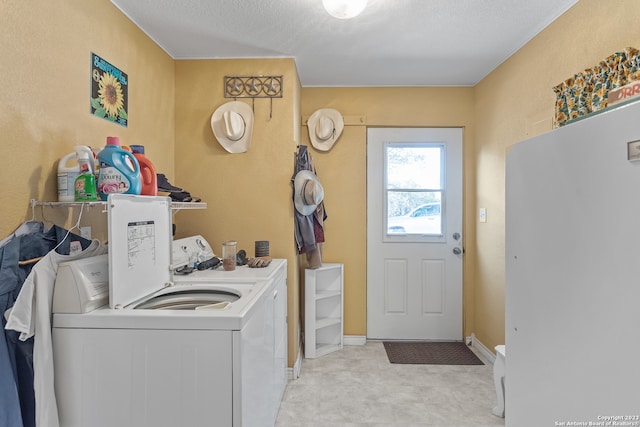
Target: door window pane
(414, 189)
(414, 166)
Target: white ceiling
(392, 43)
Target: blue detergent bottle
(119, 170)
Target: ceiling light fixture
(344, 9)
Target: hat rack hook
(254, 87)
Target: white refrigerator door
(573, 274)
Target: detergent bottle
(119, 170)
(148, 176)
(85, 183)
(68, 171)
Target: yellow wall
(342, 171)
(516, 102)
(248, 194)
(45, 50)
(45, 71)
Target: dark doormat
(430, 353)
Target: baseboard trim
(354, 340)
(482, 349)
(294, 371)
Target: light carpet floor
(357, 386)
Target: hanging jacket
(31, 317)
(17, 398)
(309, 229)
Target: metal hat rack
(253, 87)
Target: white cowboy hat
(232, 124)
(325, 127)
(308, 192)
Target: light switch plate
(482, 215)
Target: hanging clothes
(17, 396)
(10, 409)
(308, 229)
(27, 227)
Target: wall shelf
(176, 206)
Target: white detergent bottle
(68, 171)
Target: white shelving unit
(324, 304)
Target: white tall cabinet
(572, 276)
(323, 310)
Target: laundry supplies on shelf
(119, 170)
(85, 184)
(148, 176)
(69, 169)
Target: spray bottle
(85, 183)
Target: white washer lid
(139, 246)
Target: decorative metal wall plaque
(253, 86)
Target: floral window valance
(587, 91)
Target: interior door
(414, 233)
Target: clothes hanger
(30, 261)
(27, 227)
(75, 226)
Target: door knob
(456, 236)
(457, 250)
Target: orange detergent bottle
(147, 172)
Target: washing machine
(164, 352)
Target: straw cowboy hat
(308, 192)
(232, 124)
(325, 127)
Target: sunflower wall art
(109, 91)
